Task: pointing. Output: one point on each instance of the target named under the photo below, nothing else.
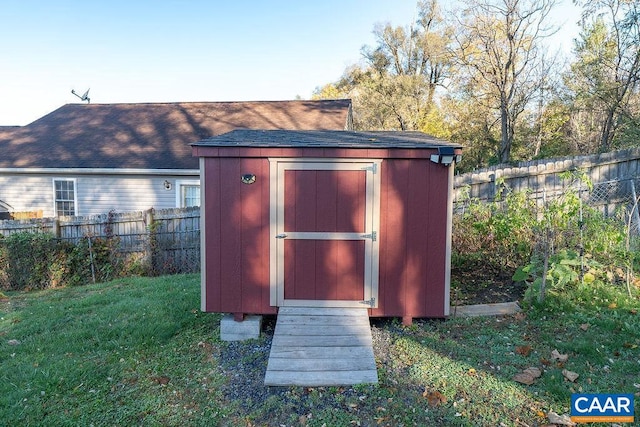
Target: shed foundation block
(232, 330)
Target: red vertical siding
(393, 249)
(437, 236)
(324, 269)
(212, 211)
(254, 232)
(324, 201)
(412, 235)
(230, 235)
(413, 213)
(420, 245)
(237, 236)
(329, 201)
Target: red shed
(326, 218)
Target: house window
(65, 197)
(188, 193)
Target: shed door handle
(281, 236)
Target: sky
(184, 51)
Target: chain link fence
(616, 199)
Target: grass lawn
(139, 352)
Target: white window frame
(181, 183)
(75, 195)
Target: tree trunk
(607, 131)
(505, 140)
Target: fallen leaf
(629, 345)
(571, 376)
(633, 311)
(524, 378)
(14, 342)
(162, 380)
(435, 398)
(524, 350)
(520, 315)
(562, 420)
(533, 371)
(471, 372)
(555, 355)
(528, 376)
(585, 326)
(613, 305)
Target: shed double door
(324, 227)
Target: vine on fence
(40, 260)
(167, 245)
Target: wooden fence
(168, 239)
(543, 178)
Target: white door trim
(372, 224)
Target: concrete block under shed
(249, 328)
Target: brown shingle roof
(152, 136)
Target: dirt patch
(470, 287)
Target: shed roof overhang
(344, 144)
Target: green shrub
(33, 261)
(497, 236)
(573, 247)
(577, 249)
(40, 260)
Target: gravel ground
(245, 364)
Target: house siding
(96, 194)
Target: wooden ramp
(321, 347)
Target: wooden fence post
(151, 240)
(55, 227)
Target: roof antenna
(84, 97)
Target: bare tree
(607, 68)
(499, 45)
(395, 87)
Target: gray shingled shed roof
(324, 139)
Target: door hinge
(373, 168)
(370, 302)
(373, 236)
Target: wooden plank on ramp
(321, 347)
